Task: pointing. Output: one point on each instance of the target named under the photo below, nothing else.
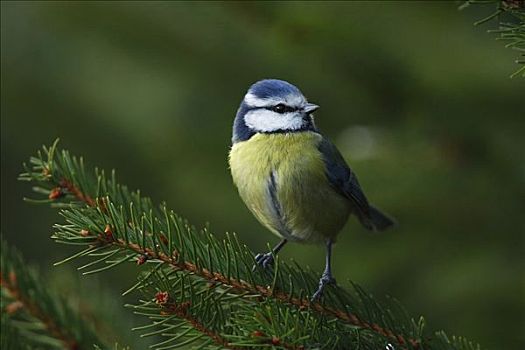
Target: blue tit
(290, 177)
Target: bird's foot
(325, 280)
(263, 260)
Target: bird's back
(282, 179)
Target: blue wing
(341, 177)
(344, 181)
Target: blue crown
(273, 87)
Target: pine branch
(117, 226)
(10, 338)
(511, 21)
(253, 322)
(40, 315)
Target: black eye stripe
(281, 108)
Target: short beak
(310, 108)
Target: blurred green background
(418, 100)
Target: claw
(325, 280)
(263, 260)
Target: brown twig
(241, 285)
(75, 191)
(244, 286)
(10, 285)
(170, 307)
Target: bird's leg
(266, 260)
(326, 277)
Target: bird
(293, 179)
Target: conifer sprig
(245, 321)
(116, 226)
(39, 315)
(511, 22)
(10, 338)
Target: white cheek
(263, 120)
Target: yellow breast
(281, 178)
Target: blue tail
(376, 220)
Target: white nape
(264, 120)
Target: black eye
(280, 108)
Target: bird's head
(273, 106)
